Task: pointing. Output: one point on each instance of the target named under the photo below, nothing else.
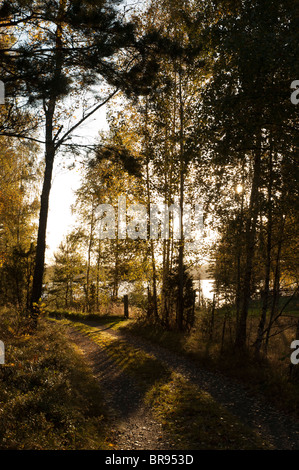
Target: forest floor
(160, 400)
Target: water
(206, 286)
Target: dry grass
(190, 417)
(270, 374)
(49, 399)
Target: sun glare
(239, 189)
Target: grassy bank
(48, 396)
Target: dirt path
(134, 426)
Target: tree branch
(97, 107)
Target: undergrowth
(49, 399)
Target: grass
(269, 376)
(144, 368)
(288, 305)
(196, 421)
(191, 418)
(49, 399)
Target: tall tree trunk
(165, 277)
(155, 299)
(251, 222)
(265, 299)
(116, 272)
(180, 312)
(98, 277)
(90, 244)
(276, 286)
(148, 190)
(50, 151)
(239, 257)
(43, 216)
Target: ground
(146, 413)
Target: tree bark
(98, 277)
(90, 245)
(50, 151)
(43, 216)
(180, 312)
(241, 335)
(265, 303)
(152, 247)
(276, 286)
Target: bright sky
(64, 183)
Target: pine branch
(75, 126)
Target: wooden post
(126, 306)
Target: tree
(66, 282)
(166, 119)
(79, 40)
(19, 176)
(109, 175)
(252, 61)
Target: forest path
(134, 425)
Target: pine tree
(77, 49)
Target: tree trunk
(50, 151)
(276, 286)
(43, 217)
(116, 272)
(152, 247)
(98, 277)
(126, 306)
(90, 244)
(164, 299)
(155, 301)
(239, 253)
(262, 322)
(250, 245)
(180, 312)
